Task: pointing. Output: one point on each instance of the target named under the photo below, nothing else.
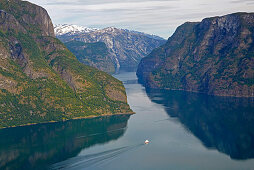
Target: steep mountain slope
(92, 54)
(126, 47)
(215, 56)
(42, 81)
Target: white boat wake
(92, 160)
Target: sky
(159, 17)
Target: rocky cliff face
(93, 54)
(42, 81)
(126, 47)
(215, 56)
(28, 14)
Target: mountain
(92, 54)
(125, 47)
(71, 29)
(215, 56)
(41, 80)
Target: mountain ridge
(41, 80)
(214, 56)
(126, 47)
(61, 29)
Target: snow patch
(72, 29)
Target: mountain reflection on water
(224, 123)
(39, 146)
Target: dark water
(186, 130)
(39, 146)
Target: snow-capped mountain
(126, 47)
(71, 29)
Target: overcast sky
(160, 17)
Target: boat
(146, 141)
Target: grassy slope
(44, 93)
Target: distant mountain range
(71, 29)
(215, 56)
(126, 48)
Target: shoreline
(76, 118)
(198, 92)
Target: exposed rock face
(215, 56)
(42, 81)
(28, 14)
(126, 47)
(39, 17)
(93, 54)
(8, 22)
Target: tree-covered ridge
(92, 54)
(41, 80)
(215, 56)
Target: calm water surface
(186, 131)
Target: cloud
(159, 17)
(241, 1)
(145, 5)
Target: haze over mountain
(125, 48)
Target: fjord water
(186, 131)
